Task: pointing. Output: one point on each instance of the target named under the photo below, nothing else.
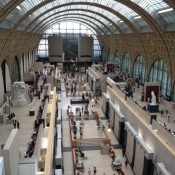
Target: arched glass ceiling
(103, 12)
(3, 3)
(152, 7)
(155, 7)
(83, 10)
(101, 20)
(78, 16)
(14, 16)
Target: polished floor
(101, 161)
(92, 150)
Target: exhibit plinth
(31, 113)
(104, 149)
(153, 108)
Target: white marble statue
(153, 98)
(8, 101)
(19, 98)
(1, 111)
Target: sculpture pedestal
(32, 113)
(153, 108)
(104, 148)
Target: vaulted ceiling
(103, 16)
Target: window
(126, 66)
(140, 68)
(159, 72)
(70, 32)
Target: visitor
(95, 170)
(126, 163)
(168, 117)
(89, 171)
(18, 123)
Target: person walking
(95, 170)
(126, 163)
(89, 171)
(14, 123)
(18, 124)
(168, 117)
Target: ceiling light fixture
(18, 7)
(165, 10)
(137, 17)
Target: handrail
(50, 147)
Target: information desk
(79, 101)
(31, 112)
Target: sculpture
(153, 98)
(8, 101)
(1, 111)
(19, 94)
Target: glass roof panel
(3, 3)
(169, 17)
(155, 6)
(29, 4)
(151, 5)
(83, 7)
(75, 16)
(20, 10)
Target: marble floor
(90, 131)
(95, 158)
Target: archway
(139, 70)
(159, 72)
(117, 61)
(126, 64)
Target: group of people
(72, 84)
(31, 146)
(37, 122)
(11, 118)
(165, 127)
(90, 171)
